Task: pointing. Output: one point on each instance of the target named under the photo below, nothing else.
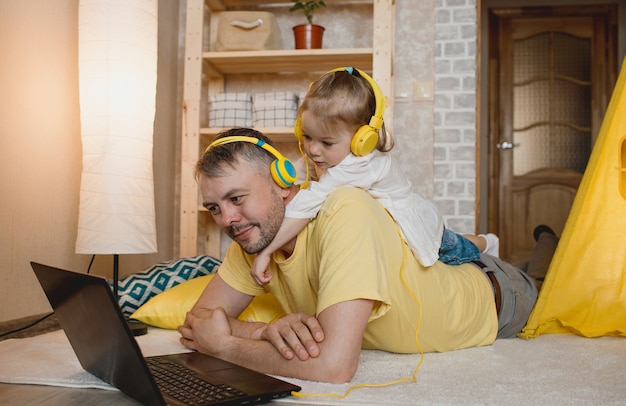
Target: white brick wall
(455, 113)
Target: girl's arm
(289, 229)
(354, 171)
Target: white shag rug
(551, 369)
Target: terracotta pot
(308, 36)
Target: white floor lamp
(117, 58)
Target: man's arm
(219, 294)
(293, 335)
(343, 325)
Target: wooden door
(551, 76)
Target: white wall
(40, 147)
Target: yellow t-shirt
(352, 250)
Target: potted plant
(308, 36)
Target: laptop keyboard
(180, 383)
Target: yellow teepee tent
(584, 291)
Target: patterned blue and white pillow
(134, 290)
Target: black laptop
(105, 346)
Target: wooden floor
(23, 395)
(29, 326)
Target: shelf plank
(292, 60)
(272, 3)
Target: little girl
(340, 128)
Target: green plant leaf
(307, 7)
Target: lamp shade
(117, 55)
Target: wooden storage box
(247, 31)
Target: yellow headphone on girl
(282, 170)
(365, 138)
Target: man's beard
(268, 227)
(266, 235)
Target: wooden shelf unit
(205, 73)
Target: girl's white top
(379, 174)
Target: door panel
(540, 197)
(549, 88)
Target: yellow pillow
(168, 309)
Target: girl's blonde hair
(343, 101)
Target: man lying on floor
(346, 282)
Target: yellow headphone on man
(365, 138)
(282, 170)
